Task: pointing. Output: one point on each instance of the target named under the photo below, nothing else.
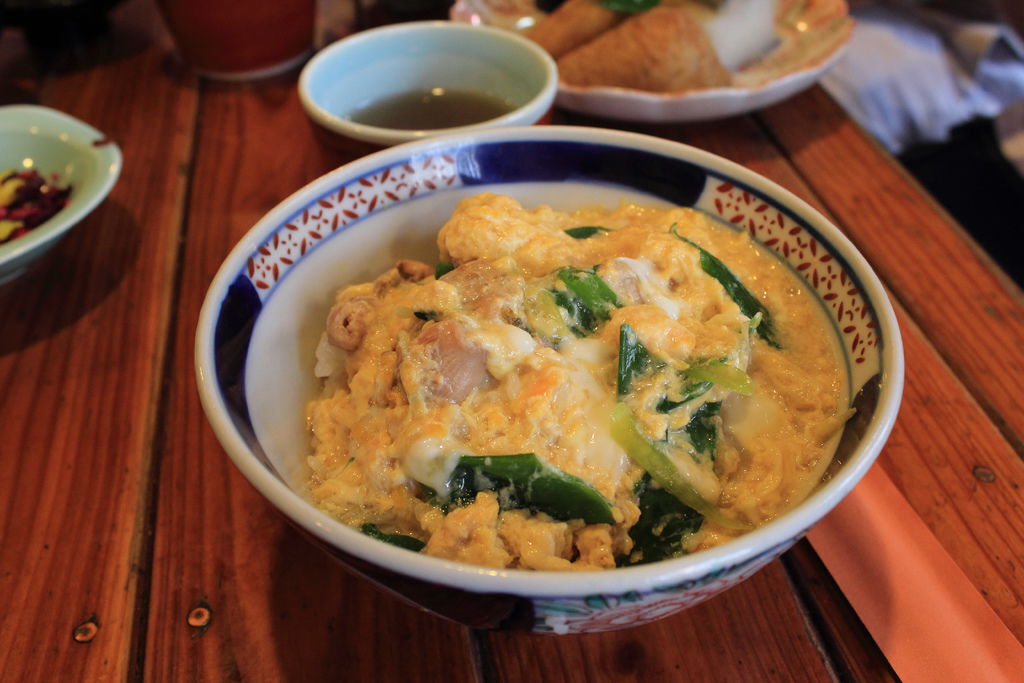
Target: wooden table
(130, 547)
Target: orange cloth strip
(924, 613)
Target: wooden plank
(81, 358)
(961, 476)
(974, 316)
(281, 609)
(752, 632)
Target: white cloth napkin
(910, 74)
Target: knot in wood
(86, 631)
(199, 617)
(983, 474)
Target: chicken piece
(661, 50)
(623, 280)
(445, 364)
(348, 321)
(413, 270)
(574, 23)
(404, 270)
(487, 289)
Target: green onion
(443, 268)
(629, 6)
(704, 377)
(401, 540)
(663, 525)
(591, 290)
(702, 431)
(626, 432)
(544, 318)
(523, 480)
(634, 359)
(585, 231)
(581, 319)
(690, 391)
(724, 375)
(587, 300)
(749, 304)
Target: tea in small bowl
(418, 79)
(431, 109)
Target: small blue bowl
(264, 313)
(423, 55)
(51, 142)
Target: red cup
(238, 41)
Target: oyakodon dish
(574, 390)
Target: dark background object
(49, 23)
(392, 11)
(970, 178)
(548, 5)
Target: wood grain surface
(81, 366)
(218, 544)
(755, 632)
(132, 549)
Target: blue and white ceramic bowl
(265, 310)
(50, 141)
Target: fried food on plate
(574, 23)
(662, 50)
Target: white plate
(812, 34)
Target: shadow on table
(60, 37)
(331, 625)
(973, 180)
(743, 138)
(62, 286)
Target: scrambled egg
(544, 323)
